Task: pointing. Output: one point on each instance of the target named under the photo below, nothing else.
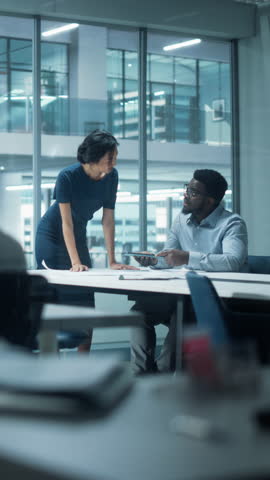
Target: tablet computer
(140, 254)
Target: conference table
(228, 285)
(139, 439)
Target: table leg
(179, 332)
(47, 340)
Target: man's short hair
(215, 184)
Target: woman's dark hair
(214, 182)
(95, 146)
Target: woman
(81, 189)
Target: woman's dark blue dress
(85, 196)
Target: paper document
(93, 272)
(166, 274)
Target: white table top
(136, 441)
(66, 317)
(227, 284)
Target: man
(204, 236)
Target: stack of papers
(151, 274)
(142, 273)
(92, 272)
(63, 387)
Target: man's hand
(121, 266)
(175, 257)
(146, 261)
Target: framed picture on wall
(218, 109)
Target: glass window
(114, 63)
(54, 57)
(182, 115)
(3, 54)
(21, 101)
(16, 86)
(131, 112)
(54, 88)
(160, 68)
(21, 54)
(185, 71)
(3, 85)
(83, 88)
(122, 91)
(115, 91)
(16, 180)
(215, 103)
(131, 65)
(179, 111)
(101, 92)
(160, 111)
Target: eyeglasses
(192, 193)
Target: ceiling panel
(254, 2)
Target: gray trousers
(157, 309)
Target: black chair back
(22, 298)
(209, 309)
(259, 264)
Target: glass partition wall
(16, 101)
(188, 123)
(85, 88)
(188, 120)
(89, 79)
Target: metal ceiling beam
(225, 19)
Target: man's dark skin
(197, 202)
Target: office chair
(22, 298)
(224, 324)
(259, 264)
(74, 296)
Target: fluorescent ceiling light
(167, 190)
(19, 187)
(29, 187)
(64, 28)
(182, 44)
(123, 194)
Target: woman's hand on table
(121, 266)
(78, 267)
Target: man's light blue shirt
(218, 244)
